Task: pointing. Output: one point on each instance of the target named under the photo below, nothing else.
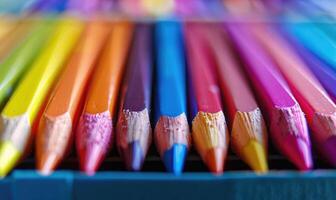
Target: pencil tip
(47, 163)
(9, 156)
(90, 160)
(214, 159)
(134, 156)
(255, 156)
(94, 135)
(174, 158)
(299, 153)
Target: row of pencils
(152, 8)
(179, 85)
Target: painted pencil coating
(320, 110)
(172, 135)
(158, 7)
(6, 26)
(60, 115)
(94, 132)
(19, 32)
(134, 132)
(287, 123)
(22, 108)
(323, 71)
(209, 129)
(90, 6)
(248, 136)
(20, 59)
(312, 37)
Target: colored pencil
(134, 132)
(319, 109)
(286, 121)
(172, 135)
(90, 6)
(323, 72)
(209, 129)
(131, 7)
(6, 25)
(49, 6)
(15, 7)
(248, 129)
(315, 39)
(16, 36)
(60, 115)
(158, 7)
(22, 108)
(94, 132)
(20, 59)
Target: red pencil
(248, 129)
(209, 128)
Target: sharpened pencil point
(134, 157)
(214, 159)
(174, 158)
(47, 163)
(9, 155)
(298, 152)
(255, 156)
(90, 160)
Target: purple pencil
(134, 131)
(90, 6)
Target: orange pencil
(59, 117)
(94, 134)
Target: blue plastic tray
(29, 185)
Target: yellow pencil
(22, 108)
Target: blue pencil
(15, 6)
(49, 6)
(315, 39)
(172, 135)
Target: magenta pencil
(320, 110)
(286, 121)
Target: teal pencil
(315, 39)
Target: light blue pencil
(316, 40)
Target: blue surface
(202, 186)
(170, 91)
(29, 185)
(5, 189)
(315, 39)
(174, 158)
(26, 184)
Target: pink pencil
(314, 100)
(287, 124)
